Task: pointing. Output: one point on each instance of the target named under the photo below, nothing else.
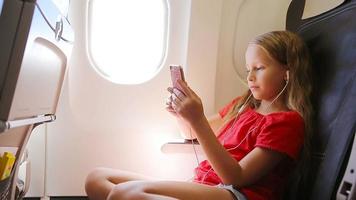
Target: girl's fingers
(178, 94)
(184, 86)
(175, 101)
(170, 89)
(182, 100)
(170, 109)
(187, 90)
(175, 94)
(191, 92)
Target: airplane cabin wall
(100, 123)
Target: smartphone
(176, 74)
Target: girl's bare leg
(167, 190)
(101, 181)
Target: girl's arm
(252, 167)
(215, 121)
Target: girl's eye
(255, 69)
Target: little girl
(257, 145)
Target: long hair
(289, 50)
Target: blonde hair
(289, 50)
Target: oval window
(128, 39)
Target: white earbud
(287, 76)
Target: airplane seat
(331, 38)
(36, 42)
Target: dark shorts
(234, 192)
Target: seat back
(331, 38)
(34, 52)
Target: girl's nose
(250, 76)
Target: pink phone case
(176, 74)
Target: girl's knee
(94, 179)
(132, 190)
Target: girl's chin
(256, 96)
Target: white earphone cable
(195, 151)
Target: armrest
(182, 146)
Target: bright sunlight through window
(128, 38)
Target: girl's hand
(169, 100)
(186, 104)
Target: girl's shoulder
(283, 132)
(290, 117)
(285, 114)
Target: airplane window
(127, 39)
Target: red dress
(279, 131)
